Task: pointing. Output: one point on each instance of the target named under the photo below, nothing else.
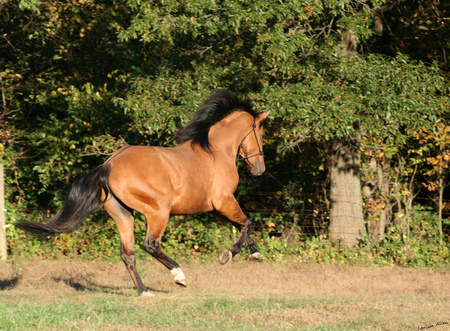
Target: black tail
(83, 199)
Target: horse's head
(251, 147)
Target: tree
(289, 56)
(417, 28)
(90, 75)
(57, 80)
(387, 99)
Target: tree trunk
(346, 214)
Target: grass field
(243, 295)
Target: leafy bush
(203, 237)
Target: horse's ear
(263, 116)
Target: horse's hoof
(181, 282)
(256, 257)
(180, 278)
(147, 294)
(225, 257)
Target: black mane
(213, 110)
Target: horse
(199, 175)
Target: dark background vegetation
(80, 79)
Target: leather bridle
(261, 153)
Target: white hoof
(180, 278)
(225, 257)
(147, 294)
(256, 256)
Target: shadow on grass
(10, 283)
(90, 286)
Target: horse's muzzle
(258, 169)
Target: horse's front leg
(227, 255)
(228, 208)
(254, 252)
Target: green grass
(118, 313)
(113, 312)
(213, 312)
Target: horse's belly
(189, 205)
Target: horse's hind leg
(152, 245)
(125, 225)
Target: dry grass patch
(240, 295)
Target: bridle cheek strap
(260, 153)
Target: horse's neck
(226, 135)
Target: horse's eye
(263, 136)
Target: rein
(238, 156)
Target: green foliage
(91, 241)
(203, 238)
(419, 247)
(376, 95)
(80, 79)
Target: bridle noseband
(261, 153)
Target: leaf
(433, 160)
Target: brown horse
(199, 175)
